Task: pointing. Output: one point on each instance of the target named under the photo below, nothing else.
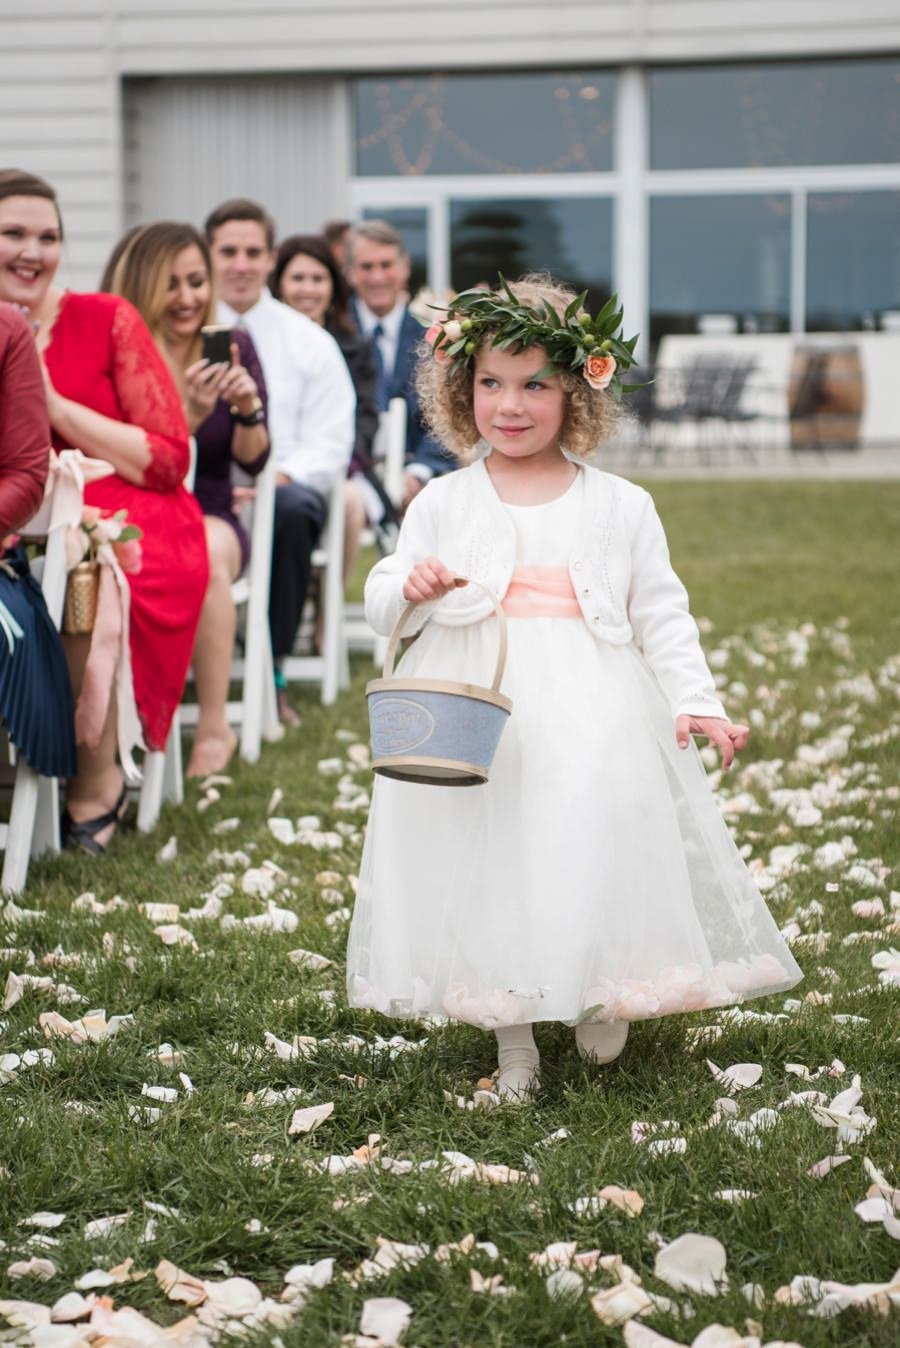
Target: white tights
(518, 1059)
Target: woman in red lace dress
(110, 395)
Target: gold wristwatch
(255, 417)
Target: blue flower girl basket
(436, 731)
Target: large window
(569, 236)
(852, 259)
(772, 114)
(492, 123)
(727, 256)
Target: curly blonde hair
(447, 403)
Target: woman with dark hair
(307, 277)
(165, 271)
(110, 394)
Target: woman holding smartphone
(164, 270)
(110, 394)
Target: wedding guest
(24, 429)
(311, 409)
(166, 273)
(35, 694)
(378, 270)
(110, 394)
(306, 276)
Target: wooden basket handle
(410, 608)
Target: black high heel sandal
(83, 832)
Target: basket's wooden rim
(476, 774)
(401, 686)
(394, 639)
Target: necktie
(383, 393)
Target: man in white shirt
(379, 273)
(311, 409)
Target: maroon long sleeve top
(24, 428)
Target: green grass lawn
(798, 583)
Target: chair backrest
(389, 448)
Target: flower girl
(592, 879)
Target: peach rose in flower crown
(432, 336)
(599, 370)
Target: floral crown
(572, 340)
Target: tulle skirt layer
(592, 878)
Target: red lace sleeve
(148, 398)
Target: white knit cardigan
(618, 562)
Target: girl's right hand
(430, 579)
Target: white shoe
(601, 1044)
(518, 1085)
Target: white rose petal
(305, 1120)
(693, 1263)
(232, 1296)
(45, 1221)
(101, 1227)
(738, 1077)
(308, 959)
(637, 1335)
(385, 1319)
(43, 1269)
(826, 1165)
(180, 1286)
(616, 1305)
(563, 1284)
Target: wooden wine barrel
(825, 397)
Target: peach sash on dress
(541, 592)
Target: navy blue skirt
(35, 693)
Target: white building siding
(190, 143)
(64, 61)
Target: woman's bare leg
(97, 785)
(215, 741)
(354, 523)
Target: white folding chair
(331, 668)
(33, 826)
(389, 454)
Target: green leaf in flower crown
(607, 311)
(576, 304)
(505, 284)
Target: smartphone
(216, 340)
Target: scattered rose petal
(172, 934)
(169, 850)
(617, 1304)
(738, 1077)
(826, 1165)
(180, 1286)
(308, 959)
(43, 1269)
(385, 1319)
(693, 1263)
(305, 1120)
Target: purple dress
(212, 484)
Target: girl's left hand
(728, 738)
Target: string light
(426, 106)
